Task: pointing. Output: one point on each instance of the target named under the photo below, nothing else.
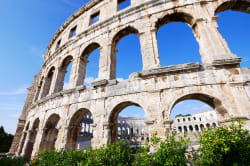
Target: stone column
(167, 126)
(212, 45)
(58, 81)
(149, 49)
(78, 72)
(107, 63)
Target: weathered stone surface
(218, 81)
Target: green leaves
(225, 145)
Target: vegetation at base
(5, 140)
(225, 145)
(9, 161)
(221, 146)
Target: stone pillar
(106, 136)
(212, 45)
(149, 49)
(78, 72)
(167, 126)
(58, 81)
(107, 63)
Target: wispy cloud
(34, 50)
(89, 80)
(19, 91)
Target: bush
(225, 145)
(171, 152)
(9, 161)
(5, 140)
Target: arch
(213, 102)
(90, 48)
(62, 70)
(86, 62)
(191, 128)
(50, 133)
(47, 82)
(175, 17)
(32, 138)
(117, 37)
(79, 118)
(239, 5)
(170, 42)
(208, 125)
(196, 128)
(201, 127)
(113, 118)
(214, 124)
(180, 129)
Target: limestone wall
(218, 81)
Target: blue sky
(28, 25)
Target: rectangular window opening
(122, 4)
(58, 44)
(72, 32)
(94, 18)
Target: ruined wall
(218, 81)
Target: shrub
(9, 161)
(225, 145)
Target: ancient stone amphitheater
(51, 116)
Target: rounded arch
(175, 17)
(116, 38)
(212, 101)
(118, 108)
(80, 123)
(90, 48)
(50, 71)
(66, 61)
(90, 62)
(50, 133)
(47, 82)
(239, 5)
(113, 118)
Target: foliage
(181, 115)
(171, 152)
(111, 155)
(5, 140)
(225, 145)
(8, 161)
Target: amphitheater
(51, 116)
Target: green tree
(225, 145)
(5, 140)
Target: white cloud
(37, 51)
(89, 80)
(19, 91)
(65, 85)
(120, 79)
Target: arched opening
(180, 129)
(50, 133)
(47, 83)
(196, 128)
(208, 125)
(126, 54)
(176, 41)
(80, 130)
(234, 26)
(214, 124)
(195, 112)
(90, 60)
(32, 138)
(130, 118)
(63, 77)
(24, 138)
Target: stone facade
(52, 117)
